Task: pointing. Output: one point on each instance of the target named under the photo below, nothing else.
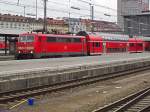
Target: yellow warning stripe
(17, 104)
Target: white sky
(60, 8)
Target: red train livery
(146, 43)
(45, 45)
(114, 43)
(2, 43)
(32, 45)
(136, 45)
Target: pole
(36, 9)
(92, 16)
(92, 12)
(69, 26)
(139, 29)
(24, 11)
(18, 2)
(5, 44)
(45, 16)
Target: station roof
(11, 32)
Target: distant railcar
(2, 44)
(136, 45)
(146, 43)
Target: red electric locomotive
(45, 45)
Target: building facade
(130, 7)
(137, 24)
(75, 25)
(13, 24)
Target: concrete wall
(63, 76)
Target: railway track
(138, 102)
(25, 93)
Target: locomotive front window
(30, 38)
(26, 38)
(22, 38)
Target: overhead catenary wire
(32, 6)
(41, 8)
(66, 11)
(51, 9)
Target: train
(3, 45)
(39, 45)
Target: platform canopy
(11, 32)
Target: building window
(10, 25)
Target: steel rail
(30, 92)
(138, 102)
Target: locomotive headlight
(31, 52)
(19, 52)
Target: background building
(130, 7)
(14, 24)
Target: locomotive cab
(25, 46)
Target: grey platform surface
(18, 66)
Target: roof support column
(6, 44)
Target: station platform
(21, 74)
(6, 58)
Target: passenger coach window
(51, 39)
(26, 38)
(22, 38)
(131, 45)
(140, 44)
